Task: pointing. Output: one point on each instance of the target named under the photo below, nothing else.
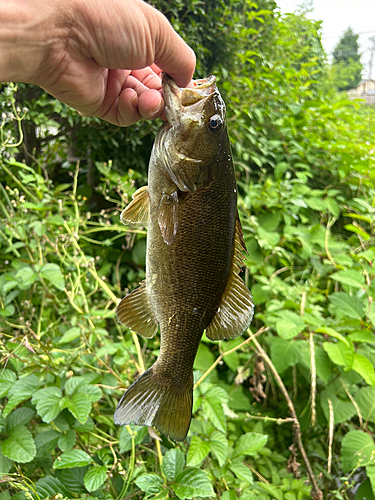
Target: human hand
(102, 58)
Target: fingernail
(134, 100)
(157, 108)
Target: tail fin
(147, 402)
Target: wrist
(28, 31)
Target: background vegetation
(285, 412)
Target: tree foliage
(284, 414)
(347, 67)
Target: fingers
(172, 54)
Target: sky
(337, 16)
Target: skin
(103, 58)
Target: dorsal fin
(236, 309)
(137, 212)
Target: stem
(318, 494)
(222, 355)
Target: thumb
(172, 54)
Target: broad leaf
(95, 477)
(198, 451)
(351, 278)
(347, 305)
(219, 446)
(70, 335)
(365, 398)
(53, 274)
(72, 458)
(67, 440)
(242, 472)
(340, 354)
(342, 410)
(356, 449)
(192, 483)
(21, 416)
(173, 463)
(284, 353)
(289, 325)
(79, 406)
(249, 443)
(20, 445)
(364, 367)
(213, 408)
(46, 442)
(125, 439)
(47, 403)
(150, 483)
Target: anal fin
(236, 309)
(134, 311)
(137, 212)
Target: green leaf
(93, 392)
(173, 463)
(70, 335)
(7, 311)
(192, 483)
(249, 443)
(47, 403)
(53, 274)
(7, 380)
(72, 458)
(364, 367)
(371, 313)
(219, 446)
(150, 483)
(242, 472)
(198, 451)
(333, 333)
(370, 471)
(213, 408)
(125, 439)
(20, 445)
(347, 305)
(351, 278)
(356, 448)
(365, 398)
(46, 441)
(73, 479)
(204, 358)
(362, 336)
(48, 487)
(26, 276)
(95, 477)
(67, 440)
(284, 353)
(274, 491)
(23, 389)
(5, 463)
(72, 384)
(289, 325)
(79, 406)
(21, 416)
(340, 354)
(342, 410)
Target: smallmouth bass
(194, 255)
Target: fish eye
(215, 123)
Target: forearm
(28, 31)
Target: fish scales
(194, 252)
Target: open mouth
(189, 100)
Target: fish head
(196, 119)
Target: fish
(195, 252)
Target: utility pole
(371, 57)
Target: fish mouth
(190, 100)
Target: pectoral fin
(168, 216)
(236, 309)
(136, 213)
(135, 312)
